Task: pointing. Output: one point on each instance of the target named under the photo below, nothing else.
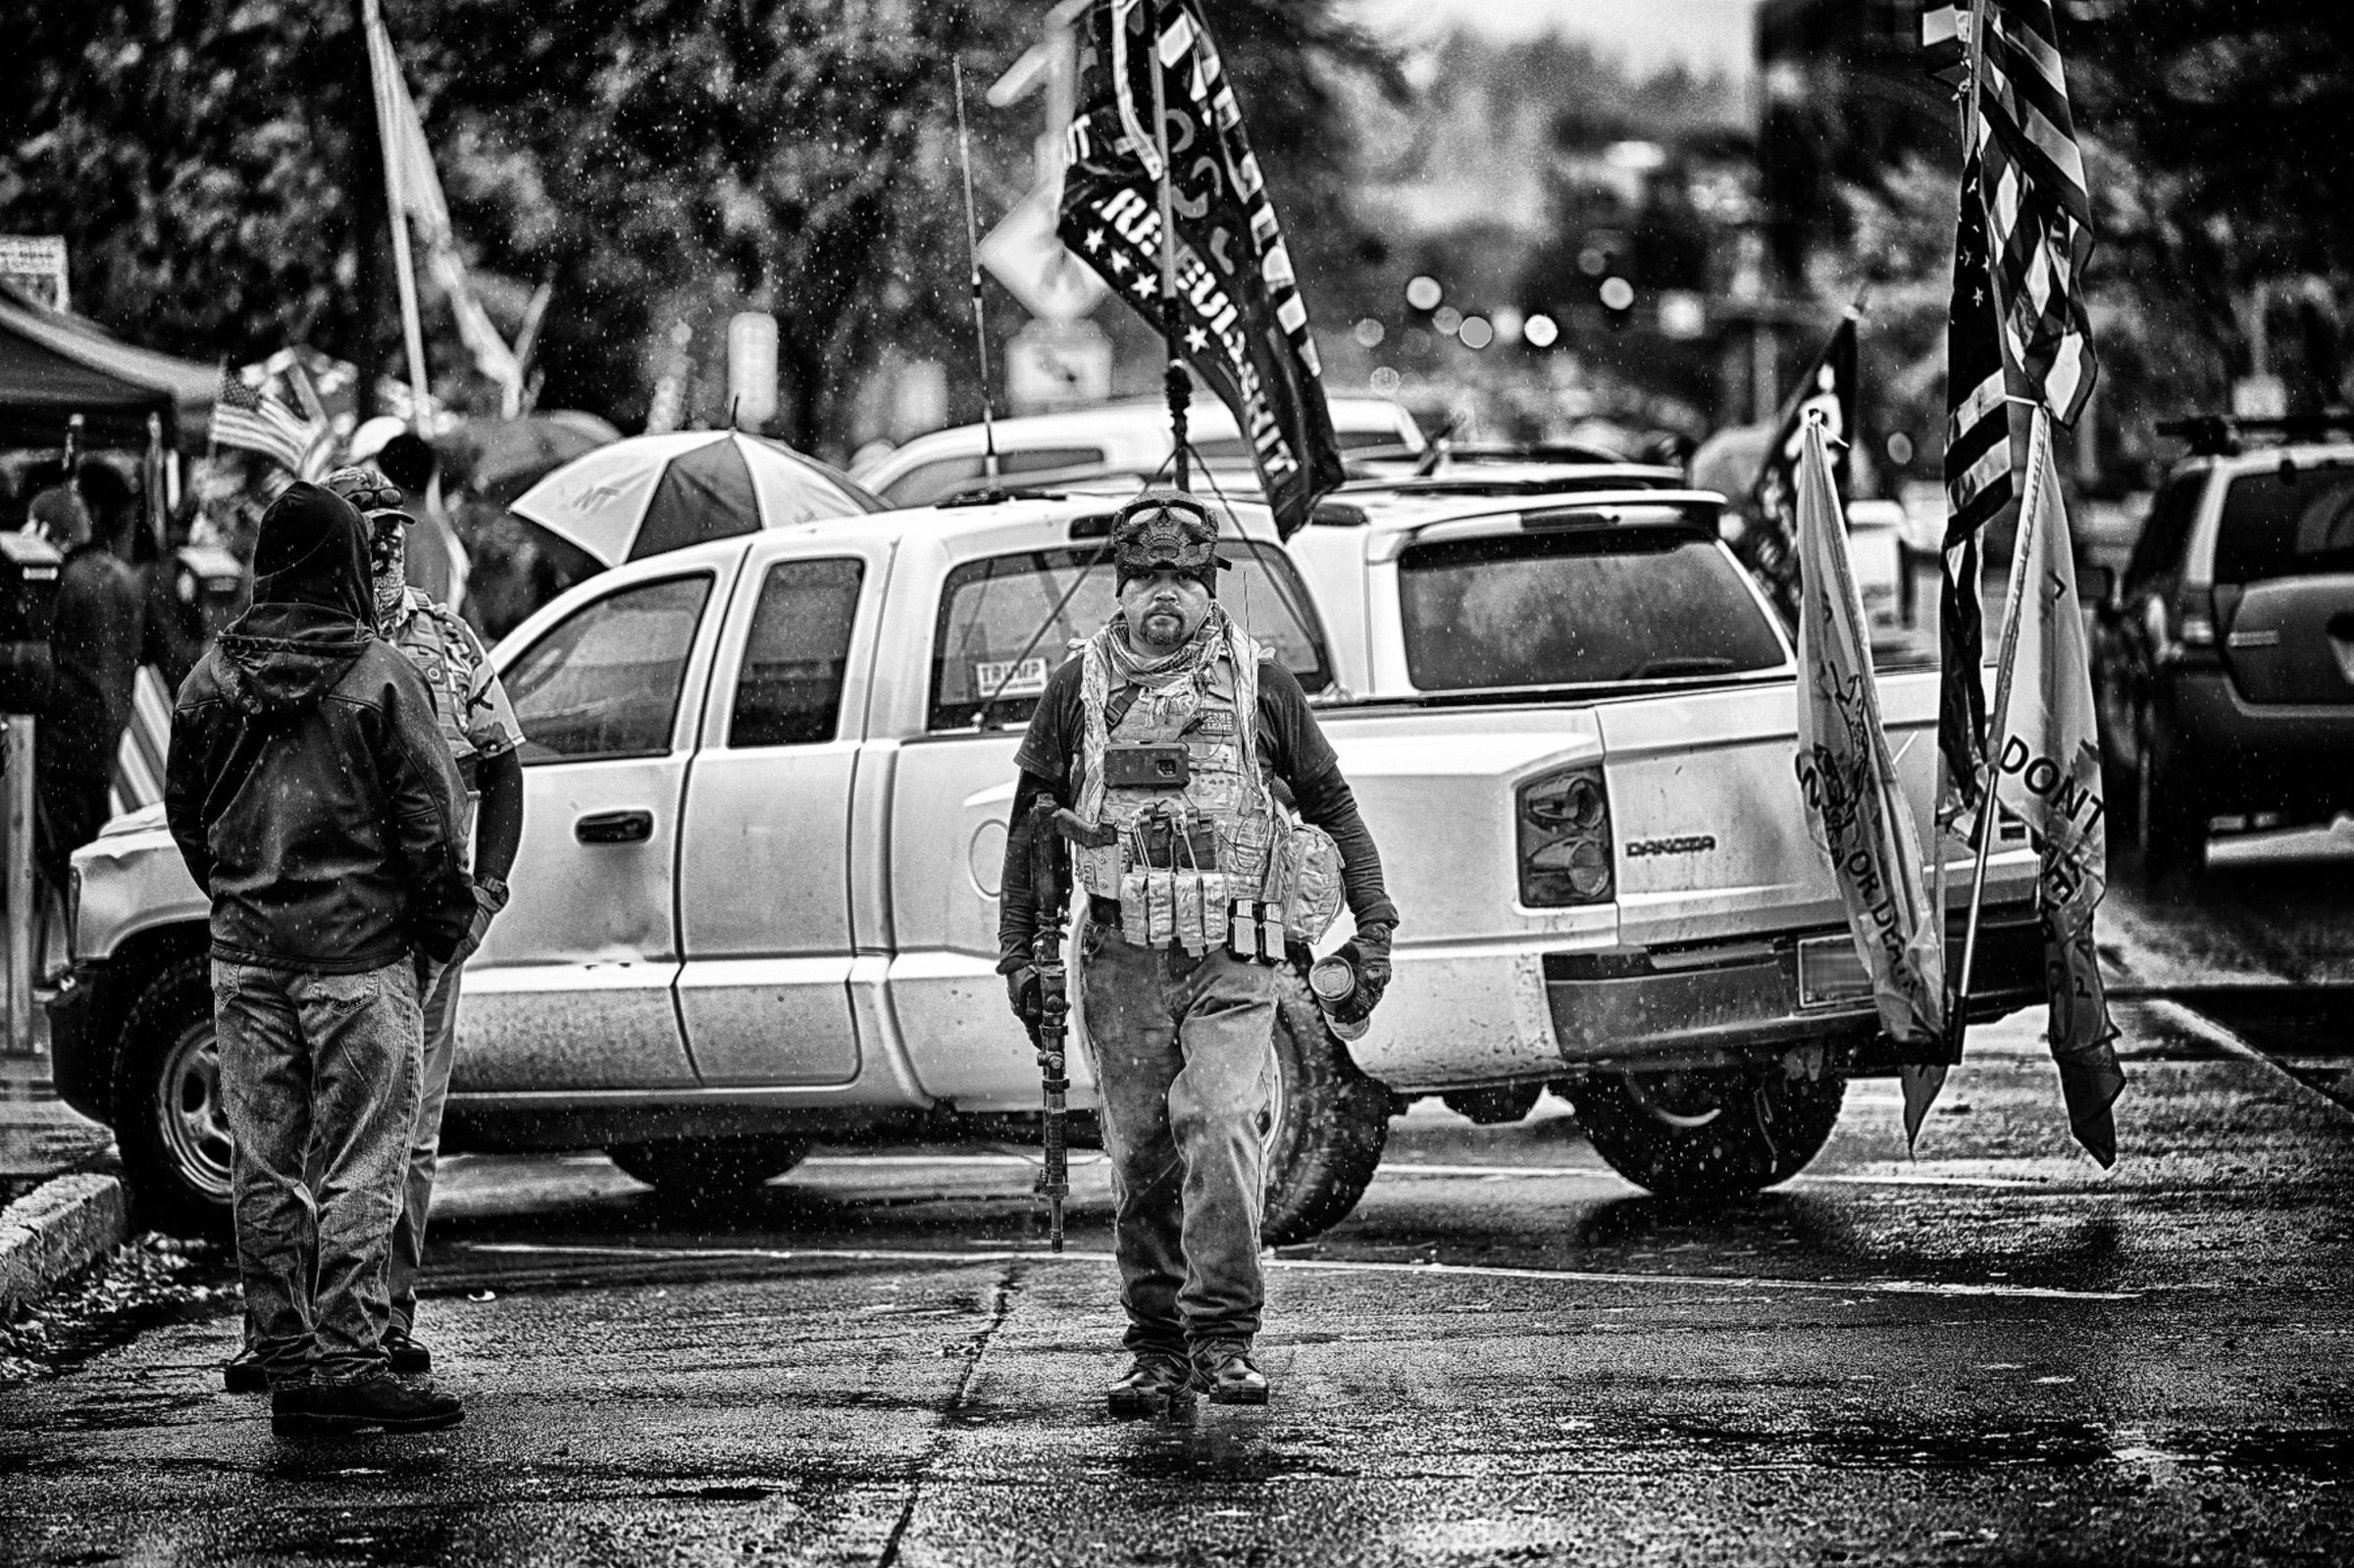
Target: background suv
(2224, 657)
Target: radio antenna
(972, 251)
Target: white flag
(420, 186)
(2048, 772)
(1856, 812)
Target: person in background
(478, 723)
(436, 561)
(94, 660)
(313, 799)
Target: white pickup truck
(766, 796)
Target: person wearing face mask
(1176, 753)
(478, 723)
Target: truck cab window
(990, 609)
(788, 690)
(604, 681)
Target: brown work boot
(1154, 1383)
(1223, 1367)
(382, 1402)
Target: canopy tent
(54, 364)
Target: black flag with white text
(1241, 322)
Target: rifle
(1053, 1005)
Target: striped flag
(2038, 213)
(258, 423)
(1978, 486)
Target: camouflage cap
(1166, 529)
(369, 491)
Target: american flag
(2038, 214)
(1978, 486)
(259, 422)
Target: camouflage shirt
(471, 706)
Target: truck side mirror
(28, 572)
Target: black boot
(1154, 1383)
(1223, 1367)
(409, 1359)
(383, 1401)
(244, 1373)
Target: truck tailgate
(1710, 836)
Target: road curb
(55, 1231)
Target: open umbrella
(652, 493)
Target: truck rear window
(1580, 607)
(989, 642)
(2296, 524)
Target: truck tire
(1706, 1136)
(698, 1169)
(1329, 1125)
(170, 1123)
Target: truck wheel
(691, 1169)
(171, 1122)
(1328, 1127)
(1707, 1134)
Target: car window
(991, 610)
(789, 688)
(928, 483)
(2294, 523)
(2159, 550)
(1578, 607)
(605, 680)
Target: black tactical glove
(1368, 953)
(1023, 997)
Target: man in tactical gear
(1177, 750)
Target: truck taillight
(1565, 823)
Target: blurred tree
(213, 165)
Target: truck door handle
(615, 828)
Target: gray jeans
(425, 1144)
(1184, 1056)
(319, 1073)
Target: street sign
(1051, 365)
(753, 368)
(1023, 253)
(37, 264)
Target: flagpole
(1180, 389)
(1948, 786)
(403, 266)
(2039, 452)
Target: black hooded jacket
(309, 788)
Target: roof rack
(2225, 434)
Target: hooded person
(1211, 827)
(312, 799)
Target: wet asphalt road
(1989, 1352)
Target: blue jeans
(1184, 1055)
(320, 1074)
(424, 1143)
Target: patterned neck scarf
(1110, 658)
